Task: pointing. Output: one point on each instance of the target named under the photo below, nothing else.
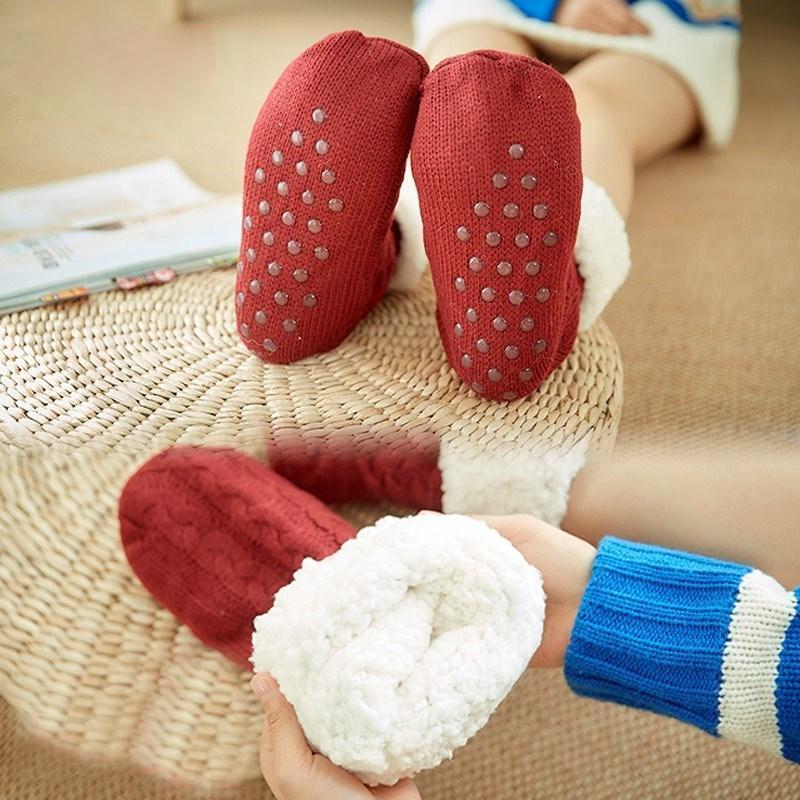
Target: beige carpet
(707, 324)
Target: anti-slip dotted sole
(322, 176)
(496, 158)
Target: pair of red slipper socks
(494, 141)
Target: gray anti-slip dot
(475, 264)
(511, 210)
(522, 240)
(294, 247)
(328, 176)
(494, 375)
(477, 388)
(549, 239)
(260, 175)
(532, 268)
(526, 324)
(516, 151)
(277, 157)
(525, 374)
(460, 284)
(300, 275)
(540, 346)
(511, 352)
(261, 317)
(516, 297)
(307, 197)
(289, 325)
(493, 238)
(321, 147)
(239, 298)
(274, 268)
(269, 345)
(318, 115)
(335, 204)
(499, 180)
(244, 329)
(310, 300)
(321, 253)
(268, 238)
(297, 138)
(509, 395)
(264, 207)
(504, 268)
(528, 182)
(282, 188)
(250, 255)
(540, 211)
(281, 298)
(482, 346)
(239, 268)
(481, 209)
(472, 315)
(462, 233)
(247, 223)
(487, 294)
(543, 294)
(301, 168)
(287, 218)
(499, 323)
(314, 225)
(466, 361)
(255, 286)
(458, 329)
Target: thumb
(284, 750)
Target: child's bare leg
(467, 38)
(632, 110)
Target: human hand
(293, 772)
(601, 16)
(565, 562)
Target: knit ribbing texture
(712, 643)
(322, 177)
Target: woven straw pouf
(90, 391)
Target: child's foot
(322, 177)
(496, 158)
(213, 535)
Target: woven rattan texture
(91, 390)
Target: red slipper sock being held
(214, 534)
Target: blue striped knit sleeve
(787, 690)
(711, 643)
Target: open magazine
(119, 229)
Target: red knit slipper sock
(496, 159)
(322, 177)
(213, 535)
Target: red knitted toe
(213, 535)
(496, 159)
(322, 177)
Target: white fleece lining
(513, 480)
(759, 621)
(704, 56)
(411, 259)
(602, 251)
